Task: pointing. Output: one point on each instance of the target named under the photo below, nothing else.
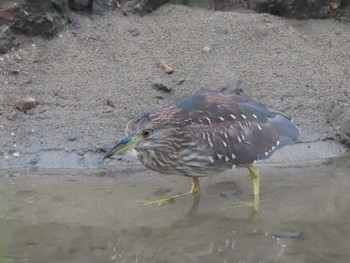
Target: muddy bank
(100, 72)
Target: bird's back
(235, 130)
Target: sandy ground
(97, 74)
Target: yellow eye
(146, 133)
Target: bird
(204, 134)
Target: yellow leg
(195, 189)
(195, 185)
(255, 176)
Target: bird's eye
(146, 133)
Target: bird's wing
(237, 130)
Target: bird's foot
(163, 201)
(254, 204)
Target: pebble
(161, 87)
(206, 49)
(26, 104)
(12, 116)
(16, 154)
(165, 67)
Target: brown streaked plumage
(206, 133)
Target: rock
(12, 116)
(77, 6)
(72, 138)
(26, 104)
(41, 18)
(206, 49)
(145, 6)
(299, 9)
(134, 32)
(164, 67)
(110, 104)
(288, 234)
(161, 87)
(7, 40)
(16, 154)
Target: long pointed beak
(122, 146)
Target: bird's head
(145, 132)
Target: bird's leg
(195, 190)
(255, 177)
(195, 186)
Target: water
(52, 215)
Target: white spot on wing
(221, 118)
(254, 116)
(208, 120)
(225, 134)
(233, 116)
(233, 156)
(273, 148)
(239, 139)
(211, 159)
(219, 155)
(277, 143)
(227, 159)
(243, 137)
(224, 144)
(210, 143)
(243, 116)
(259, 127)
(233, 166)
(266, 153)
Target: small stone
(288, 234)
(26, 104)
(110, 103)
(163, 66)
(7, 157)
(16, 154)
(28, 81)
(72, 138)
(223, 31)
(17, 57)
(15, 72)
(134, 32)
(49, 17)
(206, 49)
(161, 87)
(181, 81)
(334, 5)
(33, 162)
(12, 116)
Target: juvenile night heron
(204, 134)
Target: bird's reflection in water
(210, 238)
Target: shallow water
(57, 215)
